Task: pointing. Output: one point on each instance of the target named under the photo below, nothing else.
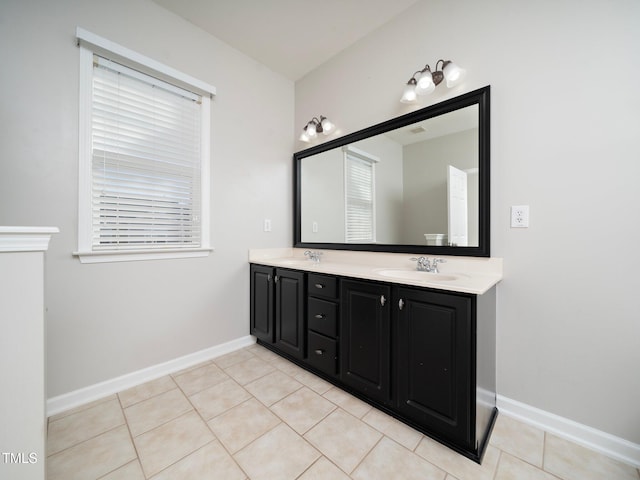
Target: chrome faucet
(426, 265)
(313, 256)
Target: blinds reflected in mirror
(360, 225)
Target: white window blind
(360, 195)
(145, 162)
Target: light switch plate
(267, 225)
(520, 216)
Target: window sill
(138, 255)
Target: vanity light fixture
(424, 81)
(316, 126)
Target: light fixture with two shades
(316, 126)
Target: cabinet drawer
(322, 286)
(322, 316)
(323, 353)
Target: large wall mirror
(418, 183)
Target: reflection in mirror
(418, 183)
(414, 185)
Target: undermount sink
(418, 275)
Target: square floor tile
(168, 443)
(130, 471)
(312, 381)
(264, 353)
(155, 411)
(79, 408)
(456, 464)
(249, 370)
(218, 399)
(395, 429)
(574, 462)
(93, 458)
(281, 454)
(232, 358)
(323, 469)
(272, 387)
(286, 366)
(518, 439)
(209, 462)
(146, 390)
(303, 409)
(351, 404)
(83, 425)
(343, 438)
(197, 379)
(388, 460)
(512, 468)
(241, 425)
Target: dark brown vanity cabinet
(262, 303)
(365, 338)
(277, 308)
(322, 322)
(433, 350)
(425, 356)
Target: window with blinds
(144, 166)
(360, 199)
(145, 161)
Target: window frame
(90, 44)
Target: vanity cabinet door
(262, 307)
(365, 338)
(290, 312)
(434, 352)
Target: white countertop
(474, 275)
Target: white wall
(107, 320)
(426, 167)
(565, 140)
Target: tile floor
(253, 415)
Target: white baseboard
(88, 394)
(602, 442)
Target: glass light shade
(453, 73)
(311, 130)
(425, 84)
(304, 137)
(327, 126)
(409, 94)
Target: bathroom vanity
(417, 345)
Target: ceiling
(291, 37)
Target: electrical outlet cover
(520, 216)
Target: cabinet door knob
(400, 304)
(319, 315)
(383, 300)
(319, 285)
(275, 279)
(319, 352)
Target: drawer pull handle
(320, 315)
(319, 285)
(319, 352)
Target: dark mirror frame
(481, 97)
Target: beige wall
(564, 140)
(107, 320)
